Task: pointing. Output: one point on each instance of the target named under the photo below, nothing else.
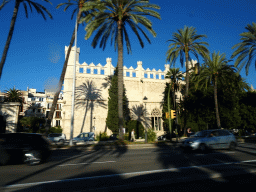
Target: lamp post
(94, 118)
(146, 131)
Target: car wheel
(33, 157)
(232, 146)
(61, 142)
(202, 148)
(4, 157)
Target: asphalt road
(143, 168)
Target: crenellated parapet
(108, 69)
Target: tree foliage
(246, 49)
(112, 117)
(13, 95)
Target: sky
(37, 50)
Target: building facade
(143, 87)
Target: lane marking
(126, 174)
(86, 163)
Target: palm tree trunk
(216, 103)
(9, 38)
(55, 99)
(187, 75)
(186, 93)
(120, 79)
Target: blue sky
(36, 54)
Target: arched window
(156, 120)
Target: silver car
(57, 138)
(210, 139)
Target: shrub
(151, 135)
(102, 137)
(126, 136)
(55, 130)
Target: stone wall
(10, 111)
(92, 111)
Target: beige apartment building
(143, 87)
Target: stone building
(10, 111)
(143, 86)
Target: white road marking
(86, 163)
(127, 174)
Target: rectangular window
(102, 72)
(157, 76)
(57, 123)
(145, 75)
(88, 71)
(49, 106)
(58, 114)
(58, 106)
(95, 71)
(151, 76)
(162, 76)
(47, 114)
(133, 74)
(127, 74)
(81, 70)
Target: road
(121, 168)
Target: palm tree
(139, 113)
(214, 69)
(13, 95)
(112, 22)
(175, 75)
(246, 50)
(83, 6)
(88, 95)
(185, 42)
(39, 8)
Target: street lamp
(146, 132)
(94, 118)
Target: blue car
(84, 138)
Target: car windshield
(201, 134)
(83, 135)
(55, 135)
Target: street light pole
(146, 129)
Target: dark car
(113, 137)
(26, 147)
(166, 136)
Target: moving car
(210, 139)
(113, 137)
(57, 138)
(28, 148)
(84, 138)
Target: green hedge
(102, 136)
(151, 135)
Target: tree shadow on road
(180, 171)
(66, 156)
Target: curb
(86, 147)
